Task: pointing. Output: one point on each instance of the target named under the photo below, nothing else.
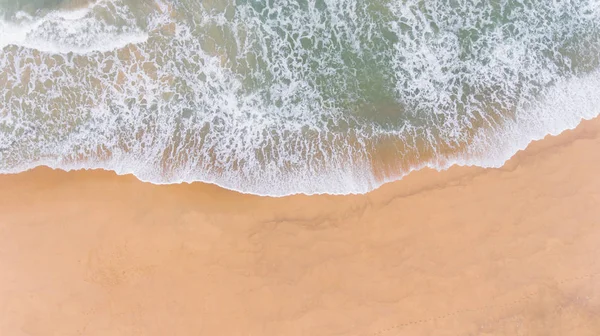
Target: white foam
(69, 31)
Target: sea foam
(71, 31)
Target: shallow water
(282, 97)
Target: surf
(279, 98)
(77, 30)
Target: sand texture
(468, 251)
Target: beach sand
(468, 251)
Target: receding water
(289, 96)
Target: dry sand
(469, 251)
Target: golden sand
(469, 251)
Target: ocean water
(277, 97)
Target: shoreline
(468, 250)
(426, 166)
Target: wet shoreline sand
(468, 251)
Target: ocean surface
(277, 97)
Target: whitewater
(292, 96)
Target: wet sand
(468, 251)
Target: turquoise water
(283, 97)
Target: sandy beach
(468, 251)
